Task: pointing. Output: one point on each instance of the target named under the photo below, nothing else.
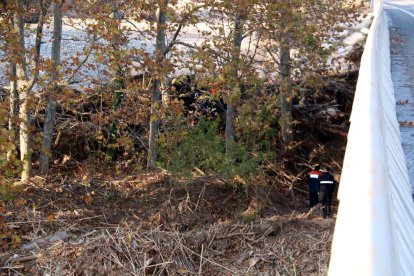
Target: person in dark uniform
(313, 182)
(327, 185)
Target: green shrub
(202, 148)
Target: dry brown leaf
(20, 202)
(253, 261)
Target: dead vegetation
(272, 247)
(86, 222)
(94, 217)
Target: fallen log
(335, 129)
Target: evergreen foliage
(203, 149)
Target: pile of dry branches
(276, 246)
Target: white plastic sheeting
(374, 232)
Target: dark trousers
(325, 199)
(313, 199)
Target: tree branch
(74, 72)
(44, 6)
(170, 45)
(178, 42)
(180, 26)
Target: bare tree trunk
(119, 73)
(25, 136)
(14, 108)
(25, 84)
(116, 43)
(161, 49)
(229, 131)
(22, 85)
(286, 95)
(240, 20)
(51, 103)
(156, 97)
(154, 125)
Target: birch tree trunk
(286, 95)
(51, 101)
(156, 95)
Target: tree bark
(51, 103)
(14, 108)
(119, 73)
(23, 90)
(25, 83)
(239, 23)
(156, 96)
(161, 47)
(154, 125)
(25, 136)
(286, 95)
(229, 131)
